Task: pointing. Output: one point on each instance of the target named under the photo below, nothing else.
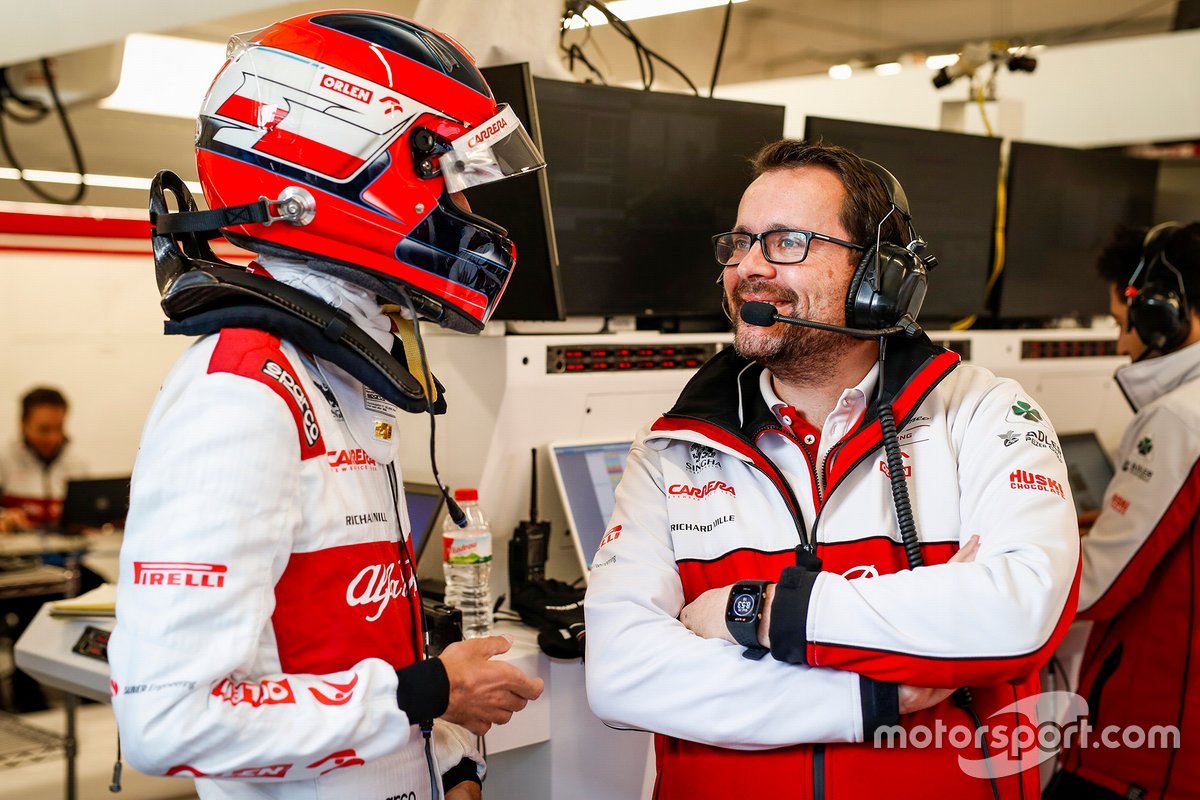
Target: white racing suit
(718, 491)
(267, 594)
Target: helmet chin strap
(414, 354)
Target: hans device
(743, 613)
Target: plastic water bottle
(467, 565)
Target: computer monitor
(424, 502)
(1089, 469)
(1063, 204)
(950, 180)
(587, 474)
(95, 502)
(522, 206)
(639, 183)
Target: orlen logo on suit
(179, 573)
(701, 492)
(1020, 479)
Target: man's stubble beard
(792, 353)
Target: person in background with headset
(833, 529)
(269, 640)
(1141, 665)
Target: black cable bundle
(39, 112)
(645, 56)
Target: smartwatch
(742, 615)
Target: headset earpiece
(890, 280)
(1157, 301)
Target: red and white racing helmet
(364, 127)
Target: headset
(890, 281)
(1158, 305)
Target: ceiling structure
(766, 39)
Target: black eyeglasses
(778, 247)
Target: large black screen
(1063, 204)
(520, 205)
(950, 180)
(639, 182)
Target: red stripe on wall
(64, 225)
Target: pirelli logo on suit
(179, 573)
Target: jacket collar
(725, 391)
(1143, 382)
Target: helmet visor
(496, 149)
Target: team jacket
(1141, 666)
(717, 491)
(266, 600)
(37, 488)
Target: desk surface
(36, 544)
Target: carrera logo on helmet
(701, 492)
(482, 136)
(345, 87)
(311, 431)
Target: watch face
(743, 604)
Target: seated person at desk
(34, 471)
(1139, 558)
(35, 468)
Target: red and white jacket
(35, 487)
(267, 597)
(1141, 666)
(717, 491)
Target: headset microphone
(764, 315)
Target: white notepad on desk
(99, 602)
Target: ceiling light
(165, 75)
(945, 60)
(841, 71)
(640, 9)
(888, 68)
(89, 179)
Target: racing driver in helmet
(269, 639)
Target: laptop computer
(587, 474)
(424, 502)
(94, 503)
(1088, 469)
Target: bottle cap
(466, 495)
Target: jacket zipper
(818, 768)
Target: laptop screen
(587, 475)
(94, 503)
(1088, 469)
(424, 502)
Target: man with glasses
(754, 602)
